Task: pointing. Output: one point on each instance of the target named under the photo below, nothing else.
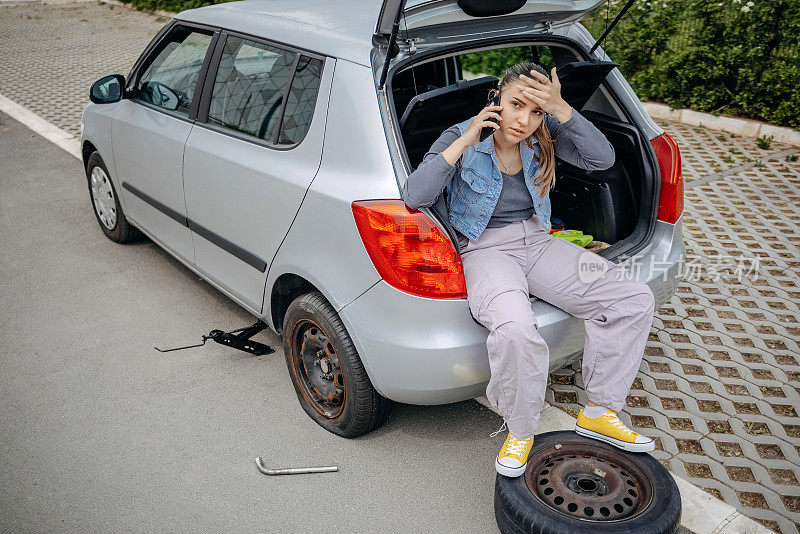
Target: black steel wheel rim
(588, 482)
(316, 364)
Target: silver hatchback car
(264, 144)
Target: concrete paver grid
(719, 386)
(52, 54)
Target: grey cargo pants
(508, 263)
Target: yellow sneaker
(513, 457)
(610, 429)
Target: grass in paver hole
(756, 429)
(791, 502)
(565, 397)
(719, 427)
(698, 470)
(729, 449)
(791, 157)
(680, 423)
(745, 407)
(689, 446)
(752, 499)
(727, 159)
(670, 403)
(709, 406)
(772, 391)
(764, 142)
(783, 476)
(637, 401)
(643, 421)
(793, 431)
(734, 151)
(769, 451)
(740, 473)
(784, 410)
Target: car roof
(341, 28)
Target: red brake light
(670, 204)
(409, 251)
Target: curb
(735, 125)
(39, 125)
(701, 512)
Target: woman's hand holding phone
(489, 117)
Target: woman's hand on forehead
(543, 93)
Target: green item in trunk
(574, 236)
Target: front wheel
(330, 381)
(105, 202)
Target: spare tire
(575, 484)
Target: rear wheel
(105, 202)
(579, 485)
(328, 376)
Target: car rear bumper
(427, 351)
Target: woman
(499, 204)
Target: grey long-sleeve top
(577, 141)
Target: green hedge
(175, 6)
(733, 57)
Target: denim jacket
(472, 194)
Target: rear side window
(301, 101)
(260, 92)
(169, 79)
(250, 88)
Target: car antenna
(392, 44)
(614, 23)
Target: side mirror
(107, 89)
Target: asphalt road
(101, 433)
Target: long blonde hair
(546, 174)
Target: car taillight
(409, 251)
(670, 203)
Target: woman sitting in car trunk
(499, 204)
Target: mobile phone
(493, 101)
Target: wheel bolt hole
(543, 481)
(630, 483)
(588, 511)
(627, 501)
(572, 507)
(544, 472)
(548, 491)
(605, 512)
(558, 500)
(618, 508)
(587, 484)
(632, 493)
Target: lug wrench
(294, 470)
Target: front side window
(249, 88)
(169, 80)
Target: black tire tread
(371, 409)
(515, 514)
